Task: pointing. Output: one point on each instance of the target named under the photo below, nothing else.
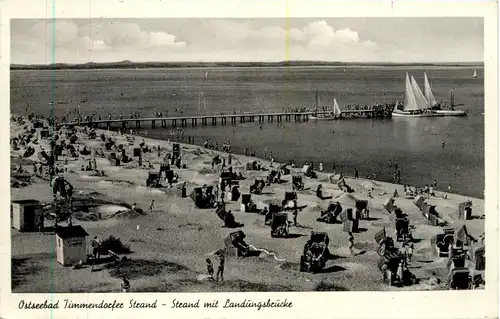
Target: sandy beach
(170, 243)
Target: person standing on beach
(351, 242)
(216, 193)
(95, 248)
(449, 188)
(356, 174)
(210, 267)
(152, 206)
(125, 285)
(321, 167)
(220, 269)
(295, 214)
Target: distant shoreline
(166, 65)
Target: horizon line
(247, 62)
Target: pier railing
(222, 118)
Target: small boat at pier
(415, 104)
(418, 104)
(474, 74)
(334, 114)
(436, 107)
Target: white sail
(474, 75)
(336, 108)
(419, 96)
(206, 74)
(428, 92)
(410, 101)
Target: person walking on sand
(210, 267)
(220, 269)
(351, 242)
(295, 214)
(95, 248)
(216, 193)
(125, 285)
(134, 206)
(152, 206)
(321, 167)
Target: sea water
(363, 144)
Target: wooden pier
(223, 119)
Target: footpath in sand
(170, 244)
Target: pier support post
(183, 122)
(108, 125)
(124, 124)
(193, 122)
(174, 123)
(138, 124)
(153, 124)
(214, 121)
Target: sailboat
(474, 74)
(436, 107)
(206, 74)
(334, 114)
(415, 104)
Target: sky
(264, 39)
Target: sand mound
(111, 209)
(105, 184)
(127, 214)
(289, 266)
(89, 177)
(341, 252)
(203, 277)
(135, 269)
(148, 190)
(353, 266)
(120, 182)
(368, 185)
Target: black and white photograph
(239, 154)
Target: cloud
(124, 35)
(314, 34)
(101, 40)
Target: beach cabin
(25, 214)
(71, 244)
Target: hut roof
(71, 231)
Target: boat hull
(450, 112)
(408, 114)
(314, 118)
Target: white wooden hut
(25, 214)
(71, 245)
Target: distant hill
(144, 65)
